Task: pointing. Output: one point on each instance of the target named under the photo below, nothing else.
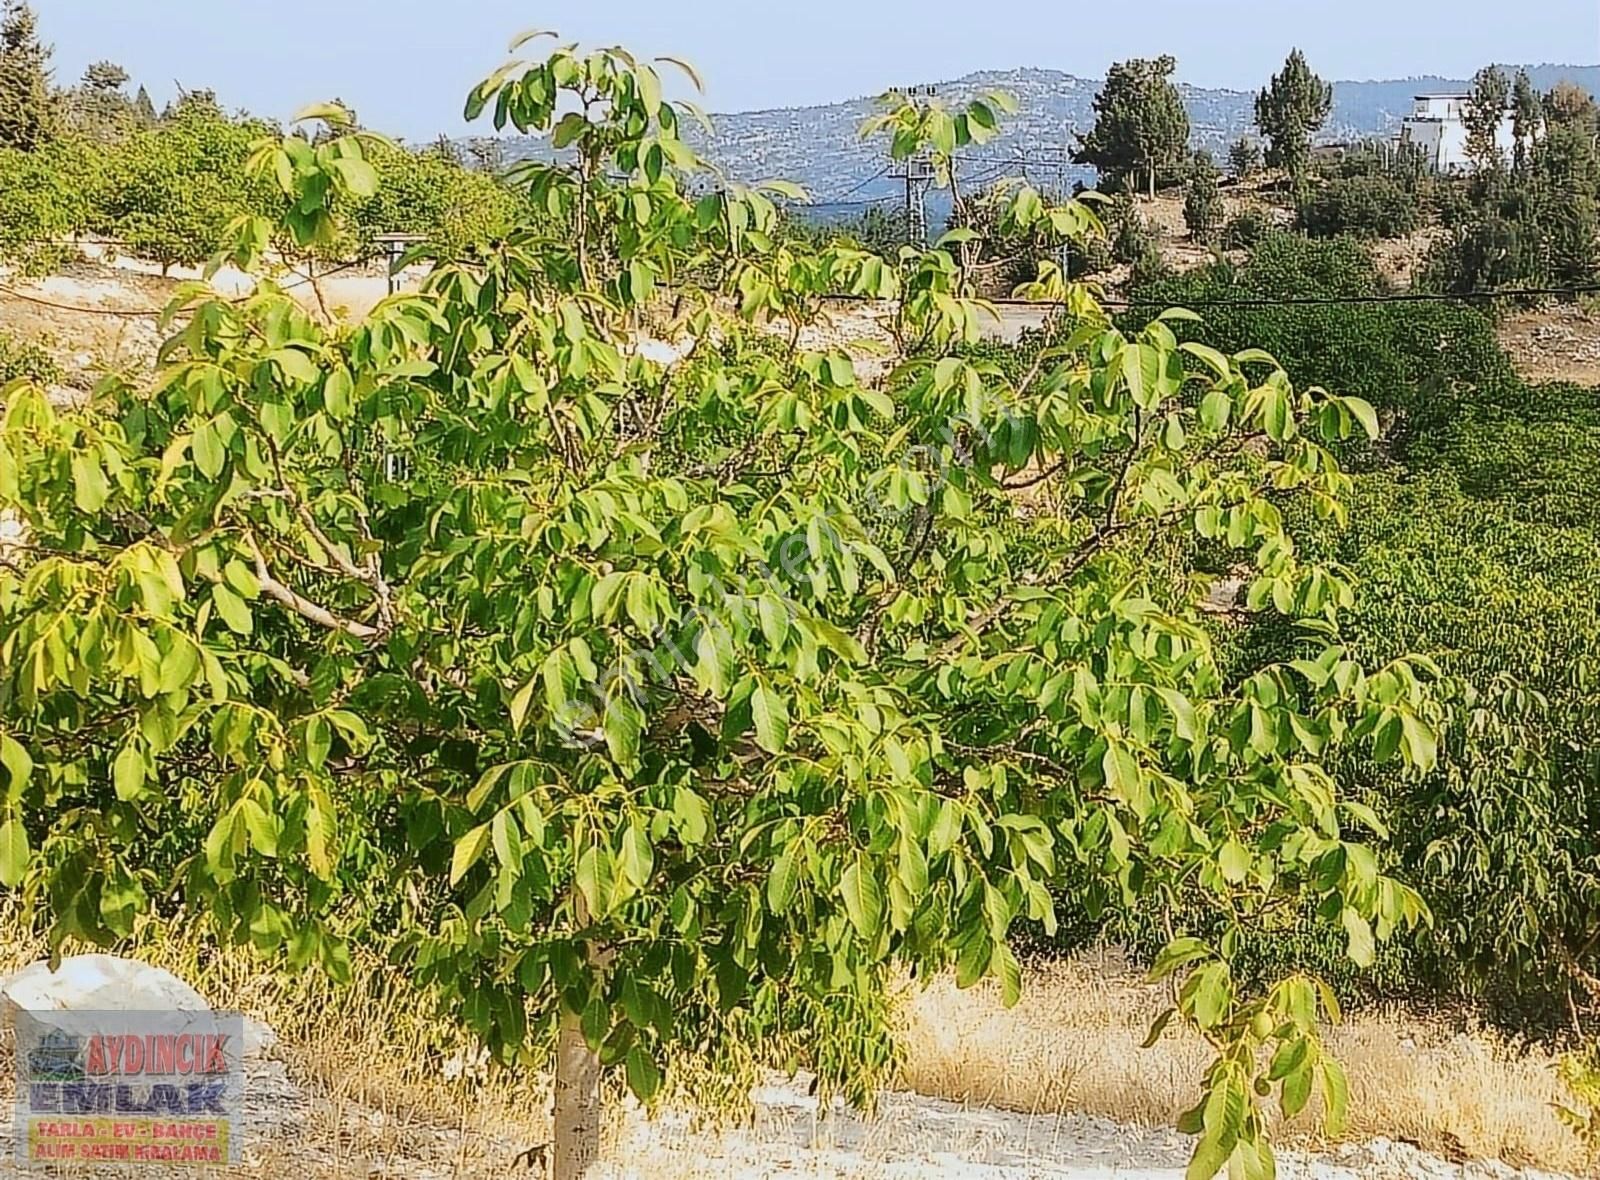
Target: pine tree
(98, 107)
(1485, 110)
(1244, 157)
(1527, 113)
(1294, 105)
(1140, 124)
(144, 111)
(27, 106)
(1203, 208)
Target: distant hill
(818, 146)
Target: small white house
(1436, 126)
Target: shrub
(1246, 228)
(1420, 358)
(26, 358)
(1368, 206)
(429, 193)
(46, 196)
(171, 190)
(1131, 236)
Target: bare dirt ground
(1556, 343)
(102, 314)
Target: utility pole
(917, 173)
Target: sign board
(159, 1089)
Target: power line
(1344, 300)
(842, 198)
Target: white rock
(107, 983)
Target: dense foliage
(1141, 128)
(1476, 531)
(660, 709)
(1373, 206)
(1290, 109)
(1203, 208)
(91, 160)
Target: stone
(108, 983)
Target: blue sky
(405, 65)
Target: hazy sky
(405, 65)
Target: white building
(1436, 127)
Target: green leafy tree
(46, 196)
(1483, 114)
(671, 710)
(1570, 103)
(1527, 119)
(1203, 208)
(1140, 123)
(1373, 206)
(431, 194)
(27, 105)
(1244, 157)
(98, 107)
(169, 191)
(1292, 107)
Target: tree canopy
(28, 112)
(1289, 110)
(1140, 123)
(669, 707)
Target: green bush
(1203, 209)
(1416, 358)
(431, 194)
(46, 196)
(26, 358)
(1367, 206)
(170, 191)
(1246, 228)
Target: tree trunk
(576, 1131)
(1152, 180)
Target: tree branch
(301, 606)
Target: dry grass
(372, 1057)
(1453, 1087)
(369, 1056)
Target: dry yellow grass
(375, 1060)
(1452, 1086)
(370, 1054)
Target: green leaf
(1364, 414)
(1335, 1097)
(785, 876)
(231, 609)
(467, 851)
(623, 723)
(127, 773)
(644, 1076)
(14, 853)
(770, 713)
(1234, 862)
(19, 766)
(89, 488)
(1360, 946)
(294, 365)
(863, 898)
(518, 708)
(1125, 780)
(637, 858)
(208, 450)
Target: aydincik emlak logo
(129, 1087)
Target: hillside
(818, 147)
